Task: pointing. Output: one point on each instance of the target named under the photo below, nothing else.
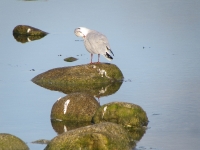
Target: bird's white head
(81, 31)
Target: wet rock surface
(127, 114)
(103, 136)
(11, 142)
(75, 107)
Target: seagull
(95, 42)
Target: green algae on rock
(75, 107)
(103, 136)
(82, 75)
(28, 30)
(127, 114)
(11, 142)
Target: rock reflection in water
(97, 90)
(64, 126)
(27, 38)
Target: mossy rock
(11, 142)
(28, 30)
(127, 114)
(27, 38)
(64, 126)
(75, 107)
(103, 136)
(82, 75)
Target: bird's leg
(98, 58)
(91, 58)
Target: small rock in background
(70, 59)
(28, 30)
(24, 33)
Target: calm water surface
(156, 46)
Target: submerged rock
(103, 136)
(127, 114)
(28, 30)
(41, 141)
(11, 142)
(75, 107)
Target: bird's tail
(107, 55)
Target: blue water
(156, 46)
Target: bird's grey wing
(98, 43)
(88, 45)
